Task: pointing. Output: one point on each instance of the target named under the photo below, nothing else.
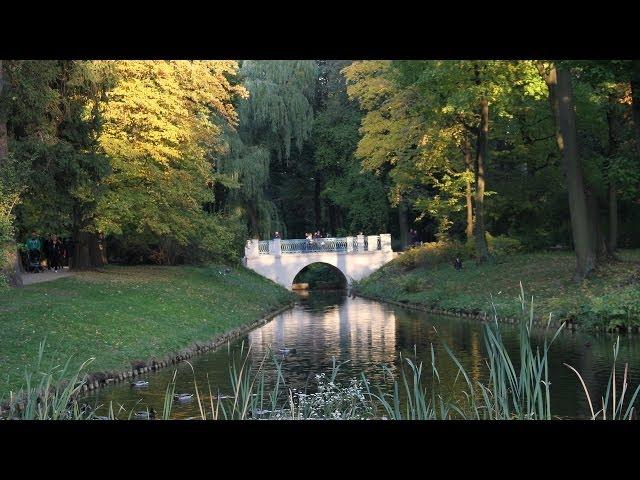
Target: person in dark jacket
(56, 253)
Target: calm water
(368, 334)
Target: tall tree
(582, 228)
(163, 123)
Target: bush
(620, 308)
(429, 254)
(503, 245)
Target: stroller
(33, 261)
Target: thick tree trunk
(482, 249)
(581, 225)
(469, 191)
(81, 258)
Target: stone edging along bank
(94, 381)
(537, 321)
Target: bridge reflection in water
(355, 330)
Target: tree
(162, 130)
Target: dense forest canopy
(182, 161)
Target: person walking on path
(56, 253)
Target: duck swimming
(146, 415)
(287, 351)
(140, 383)
(183, 397)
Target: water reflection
(365, 335)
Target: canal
(363, 335)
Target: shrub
(430, 254)
(503, 245)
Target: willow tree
(275, 120)
(163, 123)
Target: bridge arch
(340, 275)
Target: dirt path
(46, 276)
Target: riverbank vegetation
(122, 314)
(426, 276)
(517, 387)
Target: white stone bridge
(355, 257)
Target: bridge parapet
(357, 244)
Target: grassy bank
(121, 314)
(610, 298)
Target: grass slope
(610, 298)
(120, 314)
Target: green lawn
(120, 314)
(611, 297)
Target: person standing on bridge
(276, 235)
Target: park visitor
(34, 243)
(56, 253)
(458, 263)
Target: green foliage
(53, 122)
(430, 254)
(176, 112)
(503, 245)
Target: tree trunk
(611, 182)
(581, 227)
(81, 259)
(97, 250)
(4, 148)
(317, 210)
(469, 192)
(613, 217)
(403, 223)
(254, 231)
(482, 249)
(601, 241)
(635, 100)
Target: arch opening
(320, 276)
